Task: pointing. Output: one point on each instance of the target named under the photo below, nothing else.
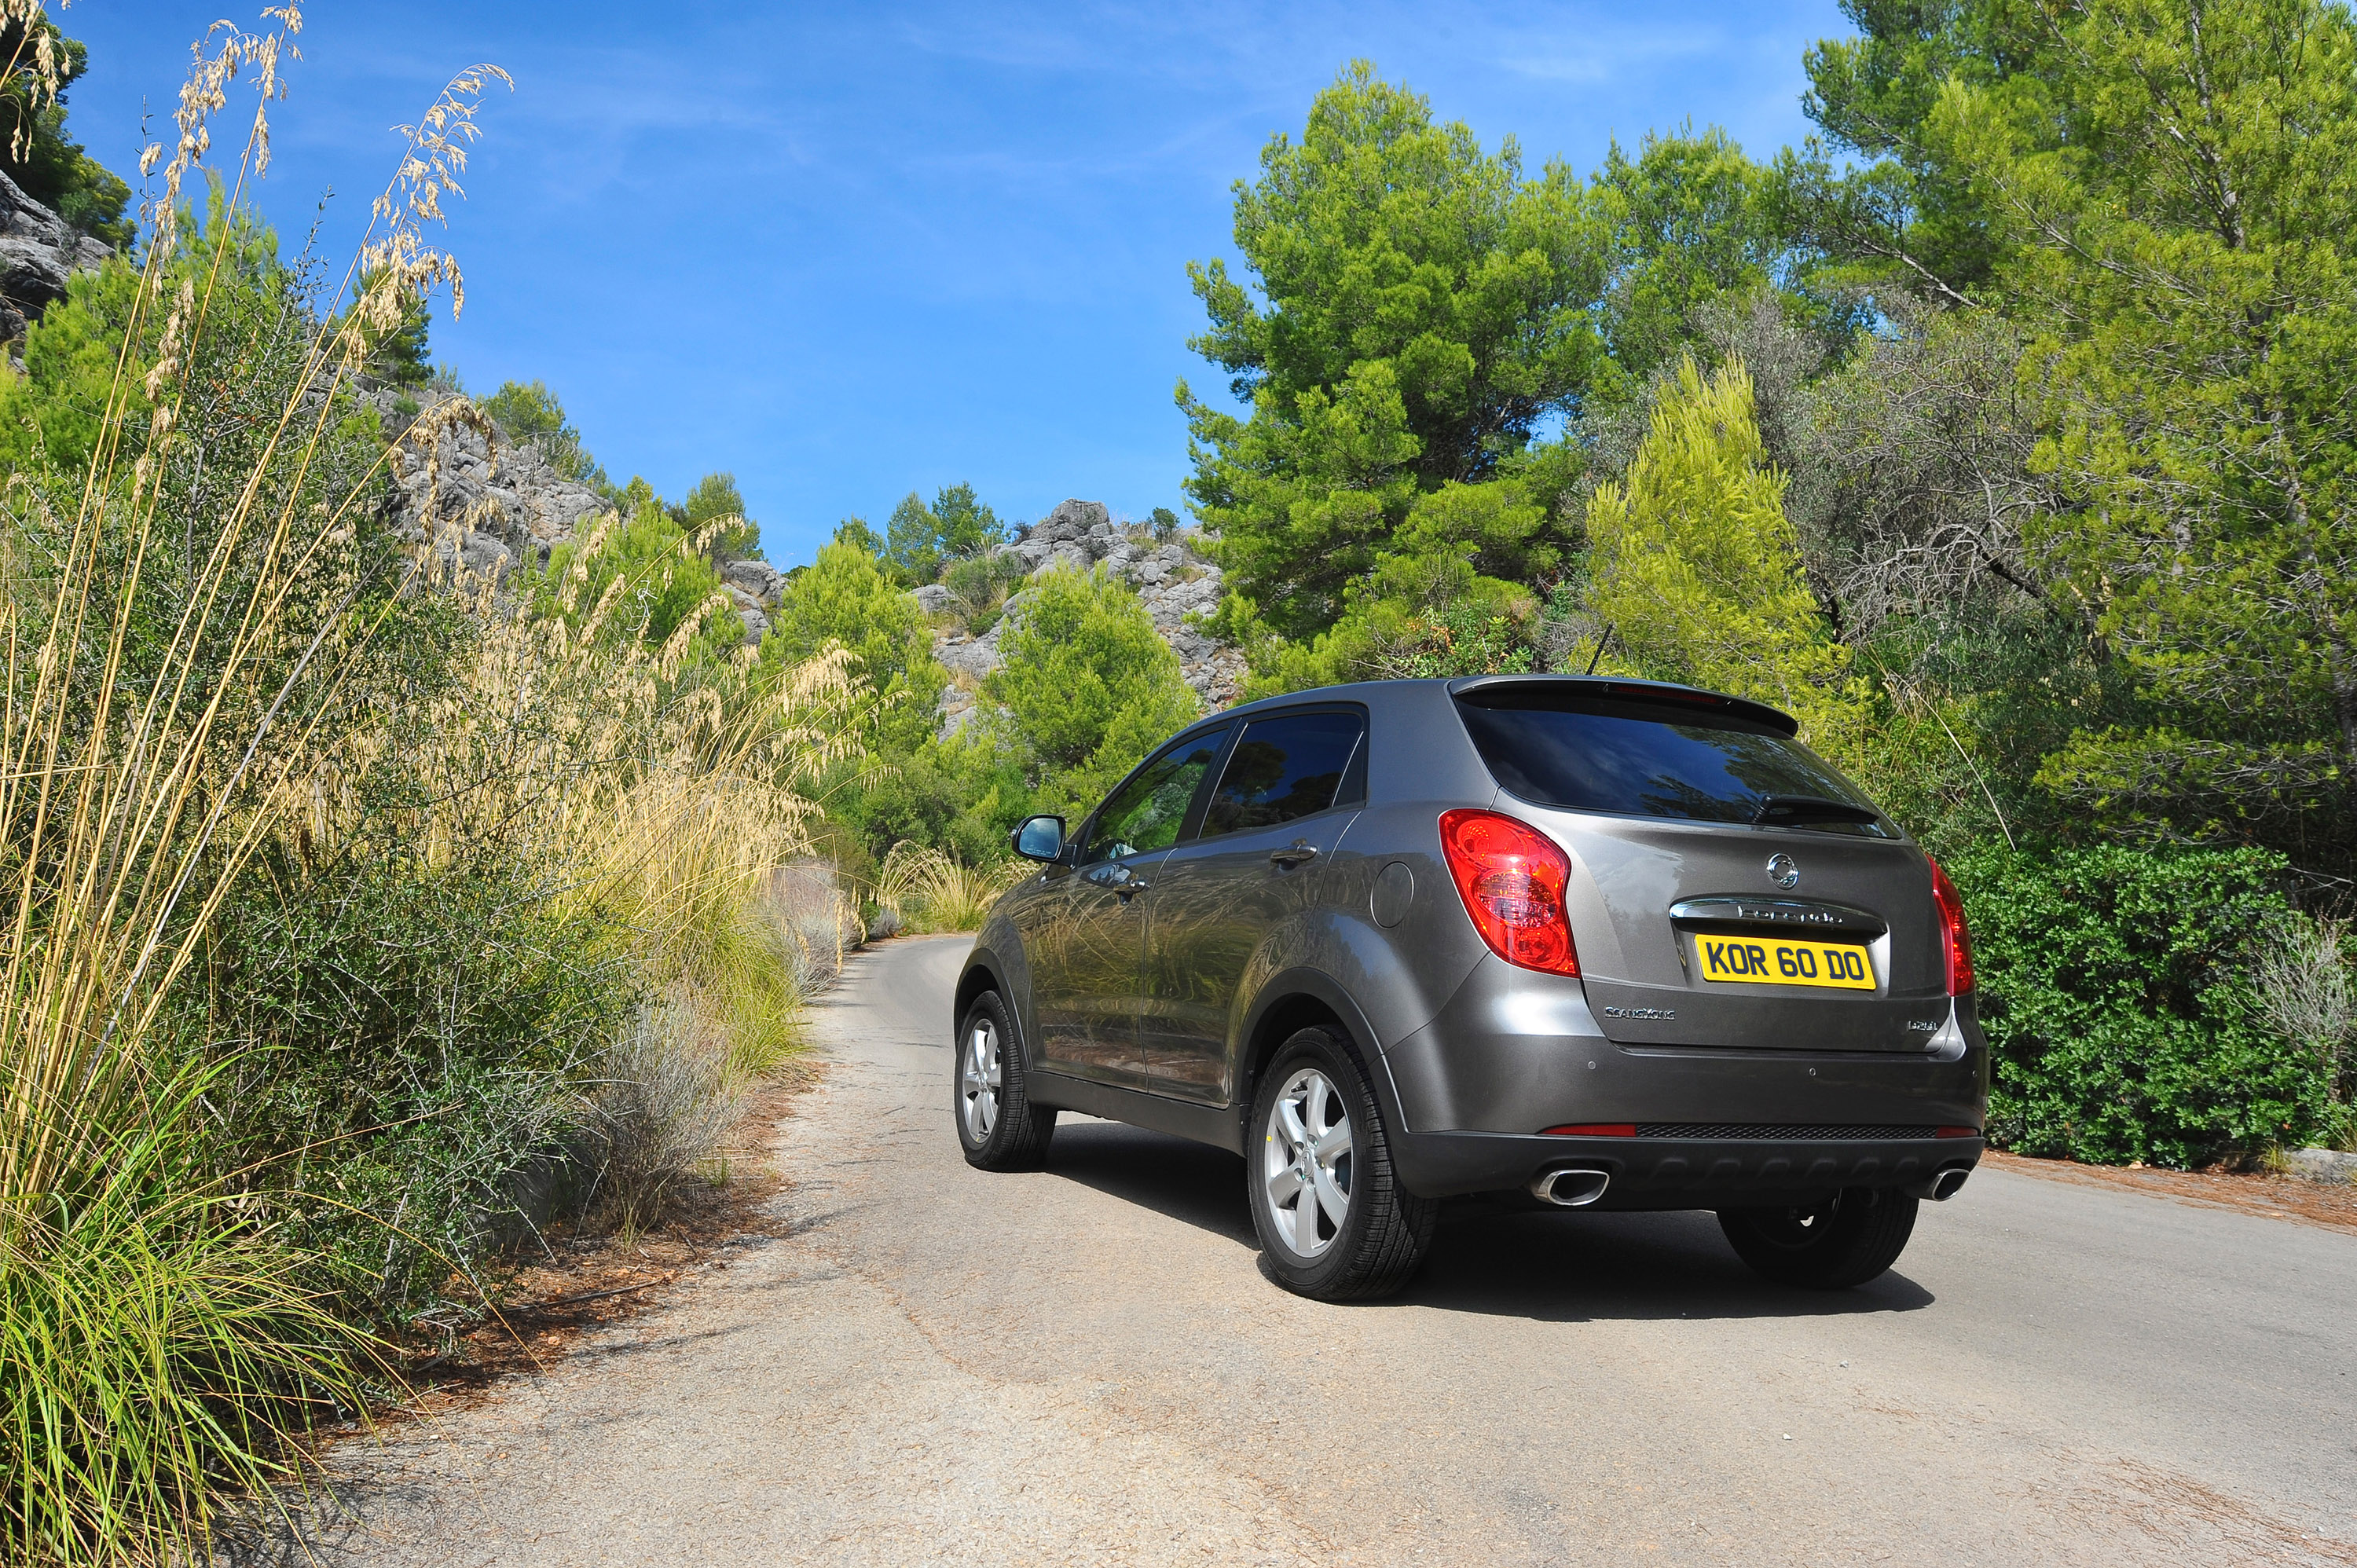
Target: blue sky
(847, 251)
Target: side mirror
(1040, 838)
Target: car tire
(1315, 1112)
(1844, 1240)
(997, 1125)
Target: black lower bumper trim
(1674, 1172)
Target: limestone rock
(2322, 1164)
(972, 657)
(1173, 580)
(749, 610)
(38, 251)
(764, 582)
(512, 495)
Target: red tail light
(1591, 1130)
(1958, 941)
(1510, 877)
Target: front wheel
(1840, 1242)
(1334, 1222)
(997, 1125)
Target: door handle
(1128, 890)
(1297, 852)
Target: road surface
(1084, 1365)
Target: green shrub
(2114, 990)
(416, 1029)
(1089, 686)
(981, 584)
(846, 596)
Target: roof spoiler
(1533, 691)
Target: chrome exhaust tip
(1572, 1188)
(1940, 1185)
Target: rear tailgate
(1684, 938)
(1729, 887)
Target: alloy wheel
(981, 1076)
(1306, 1162)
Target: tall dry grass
(173, 706)
(676, 821)
(158, 1347)
(933, 891)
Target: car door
(1085, 985)
(1287, 788)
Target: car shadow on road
(1188, 1181)
(1575, 1267)
(1488, 1259)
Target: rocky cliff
(504, 512)
(1173, 579)
(38, 251)
(499, 506)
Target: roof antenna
(1600, 650)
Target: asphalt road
(1086, 1365)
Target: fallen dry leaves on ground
(2331, 1205)
(546, 1303)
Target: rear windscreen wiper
(1799, 810)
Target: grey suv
(1594, 943)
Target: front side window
(1145, 813)
(1285, 766)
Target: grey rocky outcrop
(755, 587)
(750, 610)
(1173, 579)
(38, 251)
(757, 578)
(503, 504)
(498, 507)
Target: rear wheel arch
(1302, 999)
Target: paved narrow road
(1085, 1365)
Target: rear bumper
(1674, 1172)
(1513, 1053)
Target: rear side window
(1643, 761)
(1287, 766)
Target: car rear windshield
(1638, 760)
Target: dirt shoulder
(2280, 1198)
(580, 1283)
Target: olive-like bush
(2116, 989)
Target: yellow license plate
(1757, 961)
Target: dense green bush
(418, 1029)
(846, 597)
(2114, 989)
(1089, 686)
(530, 412)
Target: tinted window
(1287, 766)
(1638, 761)
(1146, 812)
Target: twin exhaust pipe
(1940, 1185)
(1573, 1188)
(1577, 1186)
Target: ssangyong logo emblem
(1783, 871)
